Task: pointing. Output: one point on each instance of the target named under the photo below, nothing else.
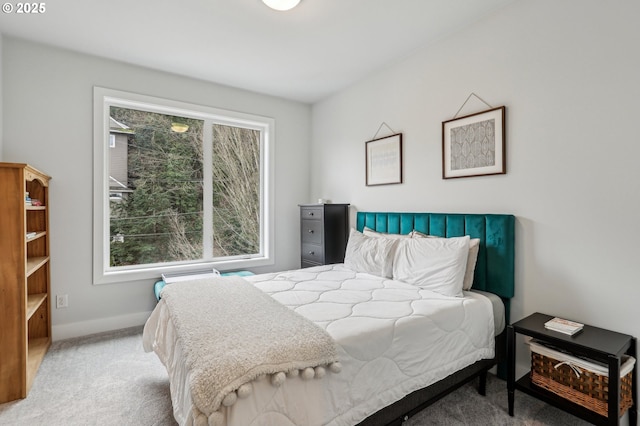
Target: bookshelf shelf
(34, 264)
(34, 301)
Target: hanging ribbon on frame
(384, 158)
(393, 132)
(465, 102)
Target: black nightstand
(592, 342)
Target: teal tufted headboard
(495, 266)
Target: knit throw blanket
(232, 333)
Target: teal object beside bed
(495, 267)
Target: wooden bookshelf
(25, 302)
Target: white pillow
(371, 233)
(369, 254)
(474, 248)
(436, 264)
(418, 234)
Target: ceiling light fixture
(179, 127)
(281, 4)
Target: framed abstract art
(384, 160)
(474, 145)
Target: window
(178, 187)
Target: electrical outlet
(62, 301)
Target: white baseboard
(85, 328)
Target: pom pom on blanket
(199, 419)
(278, 379)
(335, 367)
(308, 373)
(230, 399)
(216, 419)
(245, 390)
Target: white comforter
(393, 338)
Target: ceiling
(305, 54)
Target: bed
(398, 347)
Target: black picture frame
(383, 159)
(474, 145)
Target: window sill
(122, 276)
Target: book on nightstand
(563, 326)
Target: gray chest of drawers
(324, 230)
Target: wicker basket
(579, 381)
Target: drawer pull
(310, 213)
(312, 253)
(310, 231)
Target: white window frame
(103, 99)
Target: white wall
(48, 101)
(567, 72)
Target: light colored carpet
(107, 379)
